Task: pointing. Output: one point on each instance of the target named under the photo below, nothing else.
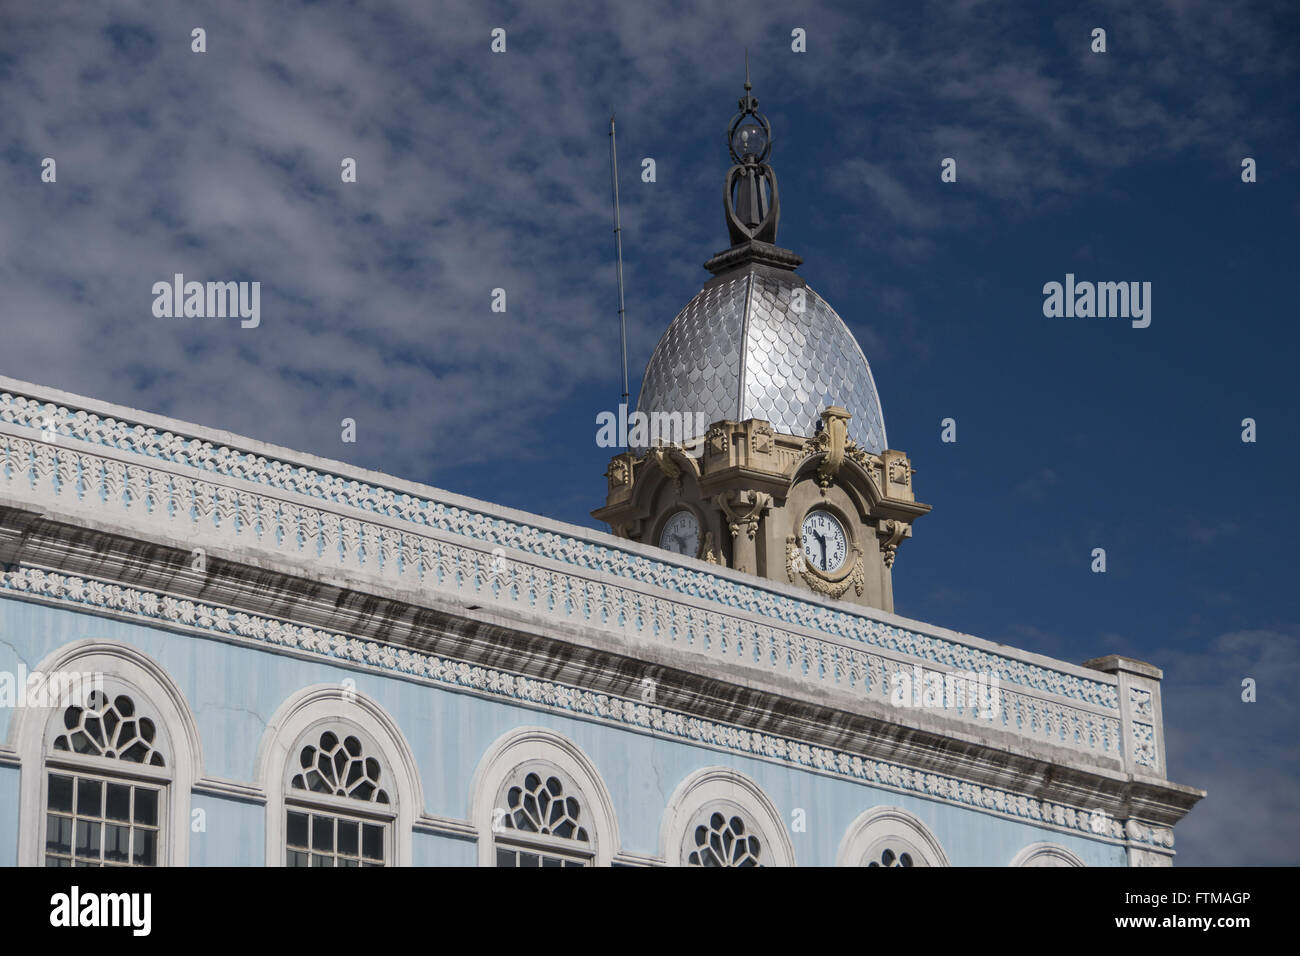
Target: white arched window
(341, 784)
(537, 801)
(720, 818)
(721, 836)
(337, 812)
(1046, 854)
(539, 819)
(889, 836)
(108, 762)
(107, 776)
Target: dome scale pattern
(738, 351)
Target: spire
(751, 203)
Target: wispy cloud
(1245, 755)
(481, 171)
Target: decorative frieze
(1141, 702)
(434, 670)
(202, 508)
(151, 488)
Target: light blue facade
(234, 690)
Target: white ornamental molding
(158, 451)
(212, 515)
(81, 593)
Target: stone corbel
(743, 509)
(833, 440)
(670, 468)
(673, 462)
(891, 532)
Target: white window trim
(881, 824)
(724, 787)
(312, 709)
(156, 693)
(1033, 854)
(526, 745)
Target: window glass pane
(60, 793)
(322, 833)
(349, 831)
(552, 861)
(117, 843)
(529, 859)
(87, 838)
(57, 861)
(118, 804)
(297, 834)
(296, 858)
(58, 834)
(373, 842)
(505, 857)
(145, 851)
(146, 806)
(89, 798)
(318, 860)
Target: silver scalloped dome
(737, 351)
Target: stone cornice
(133, 437)
(1169, 804)
(802, 668)
(578, 597)
(477, 629)
(237, 516)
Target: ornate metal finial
(750, 198)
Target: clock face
(681, 534)
(825, 545)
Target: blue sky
(479, 171)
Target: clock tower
(791, 478)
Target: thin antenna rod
(618, 245)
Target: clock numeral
(825, 542)
(681, 534)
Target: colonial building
(292, 661)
